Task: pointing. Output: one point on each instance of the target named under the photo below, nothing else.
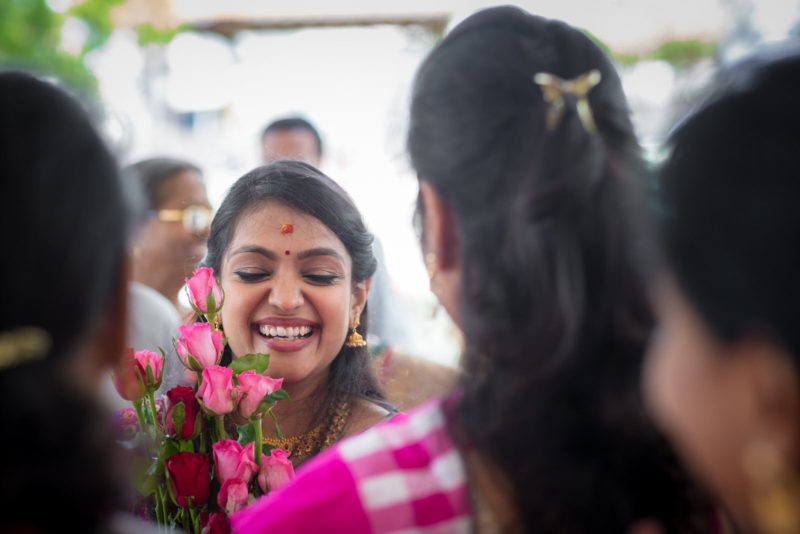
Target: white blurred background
(347, 67)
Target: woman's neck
(295, 415)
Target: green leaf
(151, 379)
(257, 362)
(262, 408)
(178, 417)
(194, 363)
(278, 394)
(247, 433)
(145, 475)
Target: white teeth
(288, 332)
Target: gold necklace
(304, 446)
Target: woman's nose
(285, 293)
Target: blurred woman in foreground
(723, 374)
(526, 157)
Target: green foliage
(150, 34)
(684, 53)
(97, 16)
(30, 36)
(257, 362)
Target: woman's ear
(441, 249)
(439, 230)
(769, 377)
(359, 298)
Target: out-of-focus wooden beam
(434, 23)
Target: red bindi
(287, 229)
(286, 252)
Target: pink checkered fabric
(402, 477)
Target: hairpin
(554, 89)
(23, 344)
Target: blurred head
(529, 234)
(291, 138)
(65, 227)
(172, 239)
(295, 261)
(723, 372)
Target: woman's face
(700, 390)
(288, 292)
(166, 245)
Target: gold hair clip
(23, 344)
(553, 91)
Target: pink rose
(232, 496)
(205, 295)
(231, 460)
(200, 341)
(125, 378)
(216, 390)
(276, 470)
(145, 359)
(213, 523)
(252, 389)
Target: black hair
(294, 123)
(730, 190)
(64, 231)
(302, 187)
(552, 306)
(153, 175)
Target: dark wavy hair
(65, 227)
(554, 312)
(729, 192)
(302, 187)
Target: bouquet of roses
(190, 468)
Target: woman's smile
(286, 334)
(288, 294)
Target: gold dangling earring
(775, 490)
(355, 340)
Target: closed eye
(322, 279)
(247, 276)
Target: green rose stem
(195, 523)
(161, 512)
(137, 405)
(259, 445)
(277, 428)
(221, 426)
(155, 410)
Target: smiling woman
(295, 261)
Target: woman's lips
(286, 334)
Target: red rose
(188, 477)
(184, 395)
(214, 523)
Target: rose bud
(216, 391)
(150, 365)
(231, 460)
(252, 389)
(276, 470)
(232, 496)
(191, 409)
(199, 346)
(188, 478)
(214, 523)
(204, 293)
(126, 378)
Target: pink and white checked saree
(403, 476)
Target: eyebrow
(321, 251)
(255, 249)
